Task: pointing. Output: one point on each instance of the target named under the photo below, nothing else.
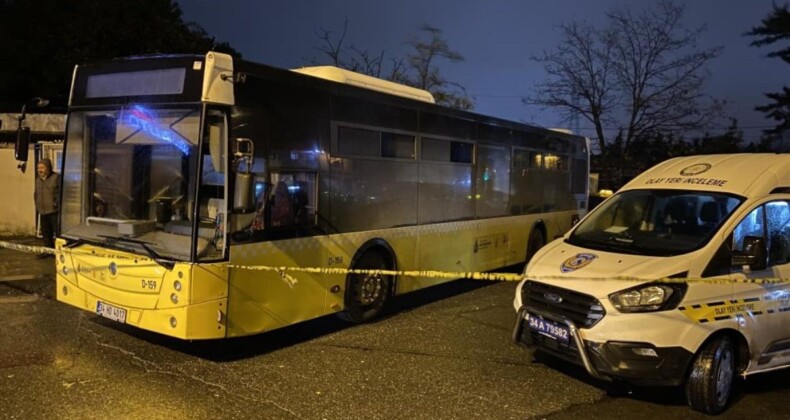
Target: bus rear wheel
(366, 294)
(710, 381)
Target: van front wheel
(710, 381)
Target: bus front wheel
(366, 294)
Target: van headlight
(649, 297)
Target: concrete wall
(18, 215)
(38, 123)
(17, 210)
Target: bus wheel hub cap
(370, 289)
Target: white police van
(672, 280)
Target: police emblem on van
(576, 262)
(695, 169)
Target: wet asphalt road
(441, 353)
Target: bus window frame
(194, 256)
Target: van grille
(583, 310)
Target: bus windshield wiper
(164, 262)
(72, 242)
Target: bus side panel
(441, 247)
(262, 300)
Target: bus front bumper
(200, 321)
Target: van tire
(536, 242)
(367, 294)
(709, 385)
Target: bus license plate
(111, 312)
(550, 329)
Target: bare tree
(366, 63)
(360, 61)
(642, 73)
(427, 75)
(330, 47)
(418, 69)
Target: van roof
(745, 174)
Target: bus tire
(712, 375)
(366, 294)
(536, 241)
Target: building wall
(18, 211)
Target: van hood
(600, 273)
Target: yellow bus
(180, 172)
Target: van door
(764, 308)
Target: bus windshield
(654, 222)
(129, 180)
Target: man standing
(46, 196)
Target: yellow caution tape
(433, 274)
(27, 248)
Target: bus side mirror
(754, 254)
(22, 143)
(23, 133)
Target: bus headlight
(649, 297)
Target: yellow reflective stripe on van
(732, 309)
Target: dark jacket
(46, 194)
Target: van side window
(721, 263)
(751, 225)
(777, 216)
(771, 222)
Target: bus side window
(292, 199)
(301, 203)
(282, 206)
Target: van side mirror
(22, 143)
(754, 254)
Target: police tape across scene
(487, 276)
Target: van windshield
(654, 222)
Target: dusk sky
(497, 39)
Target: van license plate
(550, 329)
(111, 312)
